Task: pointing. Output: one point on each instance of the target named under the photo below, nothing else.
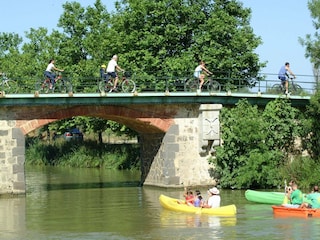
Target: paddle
(285, 200)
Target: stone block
(17, 151)
(19, 187)
(17, 168)
(174, 129)
(4, 133)
(172, 180)
(17, 133)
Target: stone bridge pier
(12, 158)
(179, 157)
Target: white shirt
(49, 67)
(214, 201)
(112, 66)
(197, 71)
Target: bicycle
(127, 84)
(192, 85)
(292, 88)
(61, 84)
(8, 85)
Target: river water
(65, 203)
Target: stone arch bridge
(177, 132)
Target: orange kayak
(281, 211)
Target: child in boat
(198, 200)
(189, 198)
(188, 195)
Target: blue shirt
(283, 72)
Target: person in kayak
(189, 198)
(198, 200)
(214, 198)
(295, 196)
(314, 197)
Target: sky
(278, 23)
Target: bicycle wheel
(128, 86)
(277, 89)
(295, 89)
(192, 85)
(64, 86)
(213, 86)
(43, 86)
(10, 86)
(105, 86)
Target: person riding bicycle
(198, 73)
(111, 70)
(284, 75)
(50, 74)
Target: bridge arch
(173, 138)
(134, 118)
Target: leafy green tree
(171, 36)
(311, 42)
(311, 128)
(282, 126)
(255, 144)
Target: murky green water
(93, 204)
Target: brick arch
(143, 119)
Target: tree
(255, 144)
(311, 128)
(171, 36)
(312, 43)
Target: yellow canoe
(176, 205)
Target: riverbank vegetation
(263, 147)
(82, 154)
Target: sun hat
(214, 190)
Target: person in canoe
(198, 200)
(189, 198)
(314, 197)
(295, 196)
(214, 198)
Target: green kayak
(274, 198)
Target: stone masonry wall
(180, 159)
(12, 158)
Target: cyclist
(198, 73)
(111, 70)
(51, 75)
(284, 74)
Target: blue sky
(278, 23)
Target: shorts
(196, 74)
(112, 74)
(282, 78)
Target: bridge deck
(224, 98)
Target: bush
(86, 154)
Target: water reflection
(12, 216)
(170, 218)
(94, 204)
